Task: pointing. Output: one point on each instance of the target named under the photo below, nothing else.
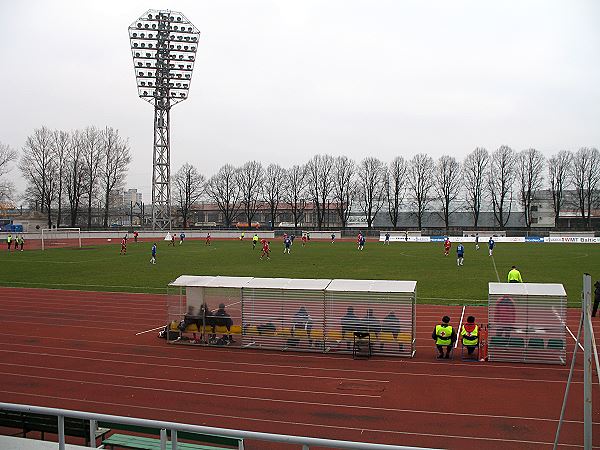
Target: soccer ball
(109, 240)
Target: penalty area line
(148, 331)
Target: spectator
(302, 321)
(223, 319)
(444, 336)
(470, 335)
(596, 298)
(350, 323)
(391, 324)
(372, 325)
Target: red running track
(81, 350)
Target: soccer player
(207, 242)
(123, 246)
(303, 240)
(254, 240)
(265, 249)
(242, 236)
(173, 239)
(361, 242)
(332, 238)
(447, 245)
(491, 245)
(153, 259)
(21, 241)
(358, 240)
(9, 240)
(460, 254)
(135, 236)
(477, 241)
(287, 242)
(387, 239)
(181, 238)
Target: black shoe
(447, 356)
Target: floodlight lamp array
(163, 46)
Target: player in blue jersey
(491, 245)
(287, 242)
(460, 254)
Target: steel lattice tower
(163, 46)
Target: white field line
(148, 331)
(462, 315)
(495, 269)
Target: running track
(79, 350)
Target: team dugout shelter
(527, 322)
(312, 315)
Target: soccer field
(439, 279)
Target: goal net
(61, 237)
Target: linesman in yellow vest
(470, 335)
(444, 336)
(514, 276)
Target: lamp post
(163, 46)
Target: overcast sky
(279, 81)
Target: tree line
(501, 179)
(69, 170)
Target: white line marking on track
(462, 315)
(148, 331)
(245, 386)
(573, 336)
(396, 410)
(271, 373)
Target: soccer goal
(61, 237)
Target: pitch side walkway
(94, 351)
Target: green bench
(129, 441)
(30, 422)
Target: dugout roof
(210, 281)
(288, 283)
(372, 286)
(534, 289)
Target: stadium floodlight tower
(163, 46)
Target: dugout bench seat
(136, 442)
(31, 422)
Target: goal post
(61, 237)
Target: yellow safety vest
(515, 275)
(472, 338)
(444, 334)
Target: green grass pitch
(439, 279)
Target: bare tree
(371, 186)
(62, 142)
(250, 178)
(75, 173)
(320, 184)
(7, 156)
(272, 189)
(586, 180)
(500, 178)
(343, 187)
(38, 166)
(115, 162)
(474, 170)
(559, 169)
(530, 168)
(395, 188)
(92, 157)
(188, 185)
(447, 185)
(420, 184)
(294, 192)
(224, 190)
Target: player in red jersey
(447, 245)
(303, 240)
(123, 246)
(207, 242)
(266, 251)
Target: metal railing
(304, 442)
